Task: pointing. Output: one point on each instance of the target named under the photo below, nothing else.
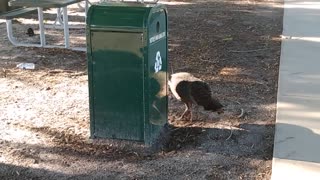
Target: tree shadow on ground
(73, 145)
(12, 172)
(247, 140)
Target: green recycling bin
(127, 70)
(4, 6)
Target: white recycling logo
(158, 63)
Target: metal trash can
(127, 70)
(4, 6)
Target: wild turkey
(30, 32)
(191, 90)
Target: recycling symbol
(158, 63)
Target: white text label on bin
(157, 37)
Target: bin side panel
(117, 65)
(90, 84)
(157, 101)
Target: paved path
(297, 139)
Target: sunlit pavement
(297, 138)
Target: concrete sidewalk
(297, 139)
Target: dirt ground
(234, 45)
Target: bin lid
(120, 16)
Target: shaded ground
(233, 45)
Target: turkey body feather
(191, 90)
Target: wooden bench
(17, 13)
